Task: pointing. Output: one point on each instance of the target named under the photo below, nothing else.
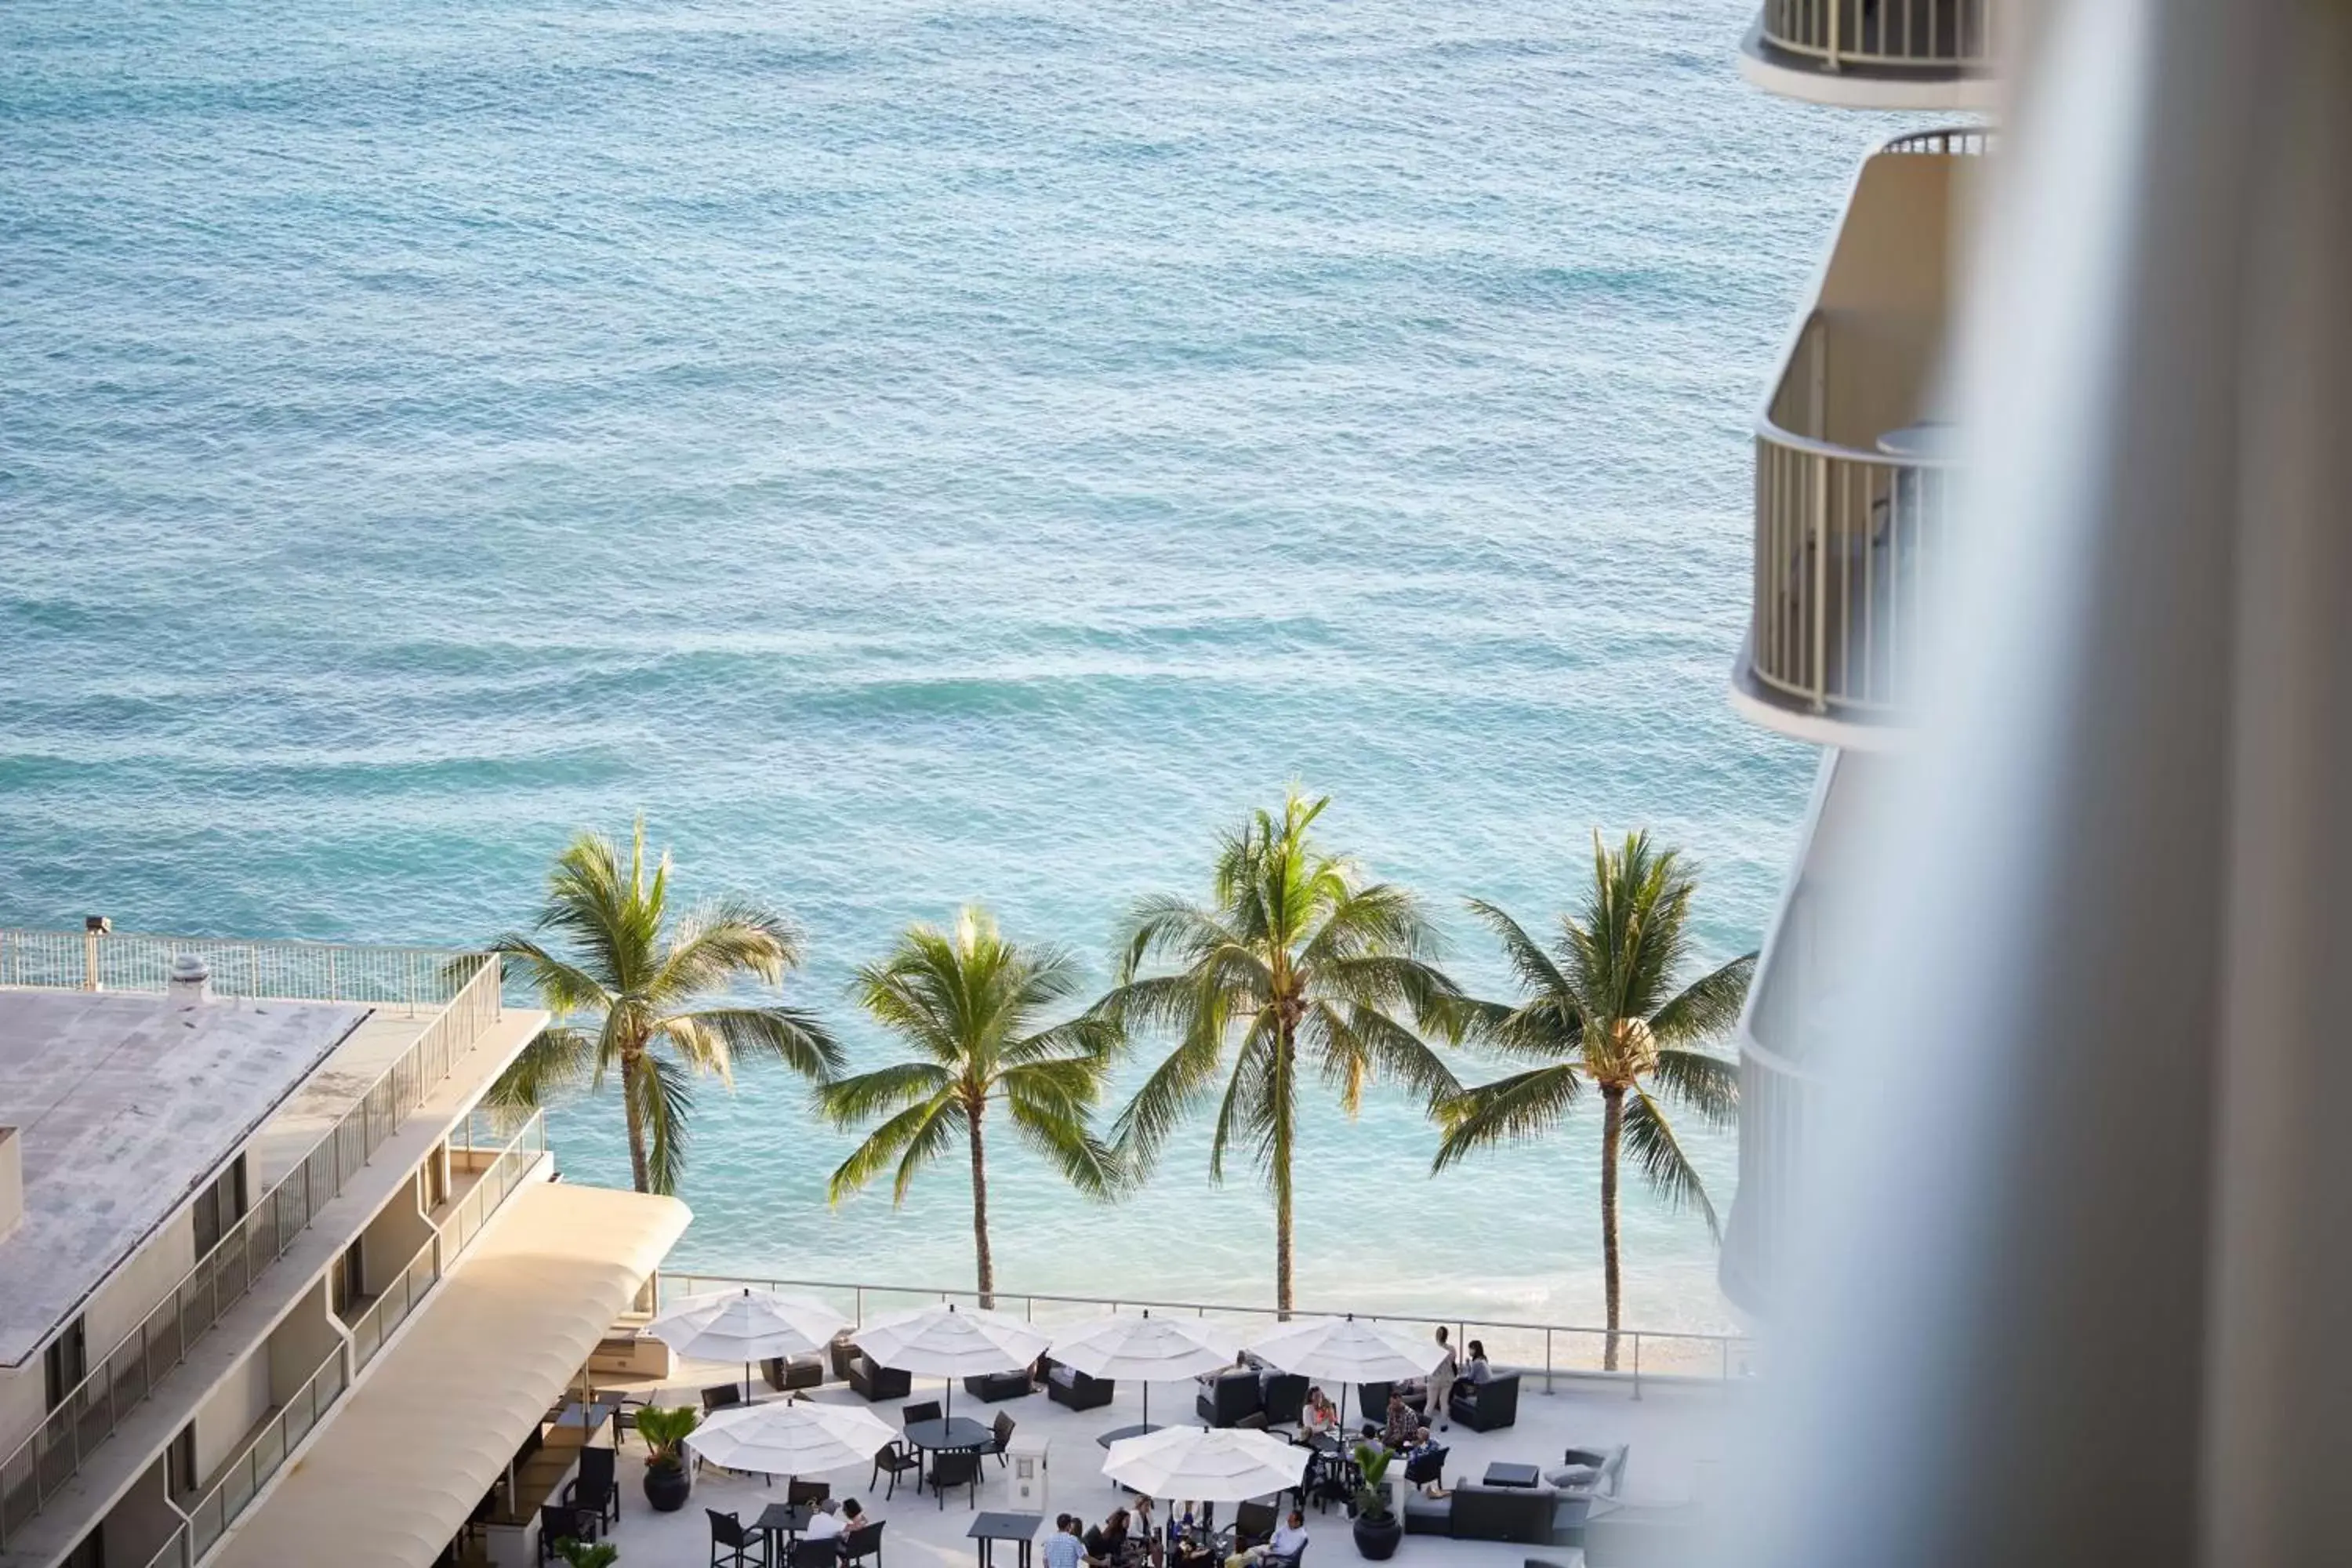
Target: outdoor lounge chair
(956, 1467)
(733, 1546)
(875, 1384)
(992, 1387)
(863, 1541)
(1485, 1406)
(785, 1373)
(1229, 1400)
(1074, 1390)
(1286, 1399)
(898, 1459)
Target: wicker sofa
(1069, 1386)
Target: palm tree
(1294, 956)
(637, 995)
(1600, 1006)
(971, 1006)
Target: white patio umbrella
(1146, 1348)
(1208, 1464)
(950, 1341)
(746, 1325)
(1348, 1350)
(791, 1437)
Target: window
(180, 1472)
(349, 1283)
(220, 1207)
(66, 1363)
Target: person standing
(1441, 1383)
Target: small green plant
(587, 1554)
(1372, 1467)
(665, 1428)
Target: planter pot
(1376, 1535)
(668, 1487)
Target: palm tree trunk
(633, 1066)
(1612, 1124)
(987, 1259)
(1285, 1252)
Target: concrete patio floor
(1675, 1434)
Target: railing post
(1637, 1367)
(1820, 616)
(1837, 14)
(1547, 1361)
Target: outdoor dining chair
(561, 1521)
(799, 1494)
(1000, 1439)
(863, 1541)
(733, 1546)
(595, 1485)
(898, 1459)
(956, 1467)
(928, 1410)
(824, 1552)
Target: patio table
(991, 1528)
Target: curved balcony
(1875, 54)
(1854, 465)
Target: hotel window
(65, 1365)
(219, 1206)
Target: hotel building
(1854, 475)
(269, 1277)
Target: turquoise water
(914, 452)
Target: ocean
(913, 451)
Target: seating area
(1575, 1443)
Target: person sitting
(853, 1520)
(1146, 1531)
(1289, 1540)
(1321, 1418)
(1106, 1543)
(1422, 1447)
(1477, 1370)
(1403, 1422)
(823, 1523)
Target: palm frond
(1708, 1085)
(912, 1139)
(567, 989)
(1521, 1105)
(1069, 1144)
(787, 1035)
(719, 942)
(1661, 1161)
(1178, 1085)
(847, 1101)
(557, 1060)
(1707, 1007)
(663, 1092)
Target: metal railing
(123, 1378)
(1846, 540)
(384, 1315)
(234, 1490)
(174, 1553)
(1921, 36)
(413, 978)
(1556, 1349)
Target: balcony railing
(124, 1377)
(233, 1491)
(1556, 1349)
(1910, 36)
(388, 1312)
(1846, 539)
(413, 978)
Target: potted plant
(1378, 1528)
(664, 1430)
(586, 1554)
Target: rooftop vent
(190, 982)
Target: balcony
(1875, 54)
(1854, 464)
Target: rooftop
(127, 1105)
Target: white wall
(232, 1410)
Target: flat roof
(126, 1105)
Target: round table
(952, 1432)
(1117, 1434)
